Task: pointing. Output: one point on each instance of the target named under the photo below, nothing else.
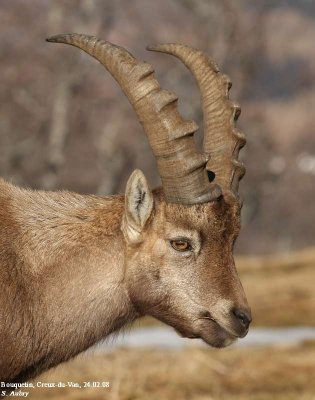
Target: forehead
(203, 216)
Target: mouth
(204, 326)
(216, 335)
(211, 332)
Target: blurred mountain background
(65, 124)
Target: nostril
(243, 316)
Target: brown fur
(62, 261)
(75, 268)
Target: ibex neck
(69, 281)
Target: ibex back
(75, 268)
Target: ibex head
(179, 239)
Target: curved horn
(222, 142)
(181, 166)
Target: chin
(219, 341)
(216, 336)
(210, 332)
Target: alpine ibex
(76, 268)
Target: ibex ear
(138, 206)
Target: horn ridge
(221, 141)
(170, 136)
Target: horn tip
(56, 38)
(63, 37)
(153, 47)
(50, 39)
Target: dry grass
(194, 373)
(280, 288)
(288, 261)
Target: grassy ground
(281, 292)
(201, 374)
(280, 289)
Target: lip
(226, 331)
(233, 334)
(215, 334)
(209, 331)
(208, 316)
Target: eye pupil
(180, 245)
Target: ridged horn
(181, 166)
(221, 140)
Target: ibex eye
(181, 245)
